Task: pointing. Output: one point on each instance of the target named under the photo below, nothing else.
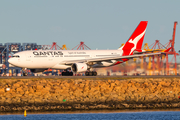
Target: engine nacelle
(79, 67)
(37, 70)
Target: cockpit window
(16, 56)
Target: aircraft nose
(10, 60)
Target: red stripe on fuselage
(118, 62)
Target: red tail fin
(136, 39)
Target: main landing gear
(90, 73)
(67, 73)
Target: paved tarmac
(96, 77)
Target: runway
(90, 77)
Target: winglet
(167, 50)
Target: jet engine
(79, 67)
(37, 70)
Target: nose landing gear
(24, 71)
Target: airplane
(81, 60)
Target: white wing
(119, 58)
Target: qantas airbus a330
(82, 60)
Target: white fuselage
(55, 59)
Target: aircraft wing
(118, 58)
(144, 51)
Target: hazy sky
(100, 24)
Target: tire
(24, 74)
(66, 73)
(86, 73)
(90, 73)
(70, 73)
(94, 73)
(63, 73)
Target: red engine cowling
(79, 67)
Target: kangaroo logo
(131, 45)
(135, 41)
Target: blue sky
(100, 24)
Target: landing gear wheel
(25, 74)
(86, 73)
(91, 73)
(67, 73)
(94, 73)
(70, 73)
